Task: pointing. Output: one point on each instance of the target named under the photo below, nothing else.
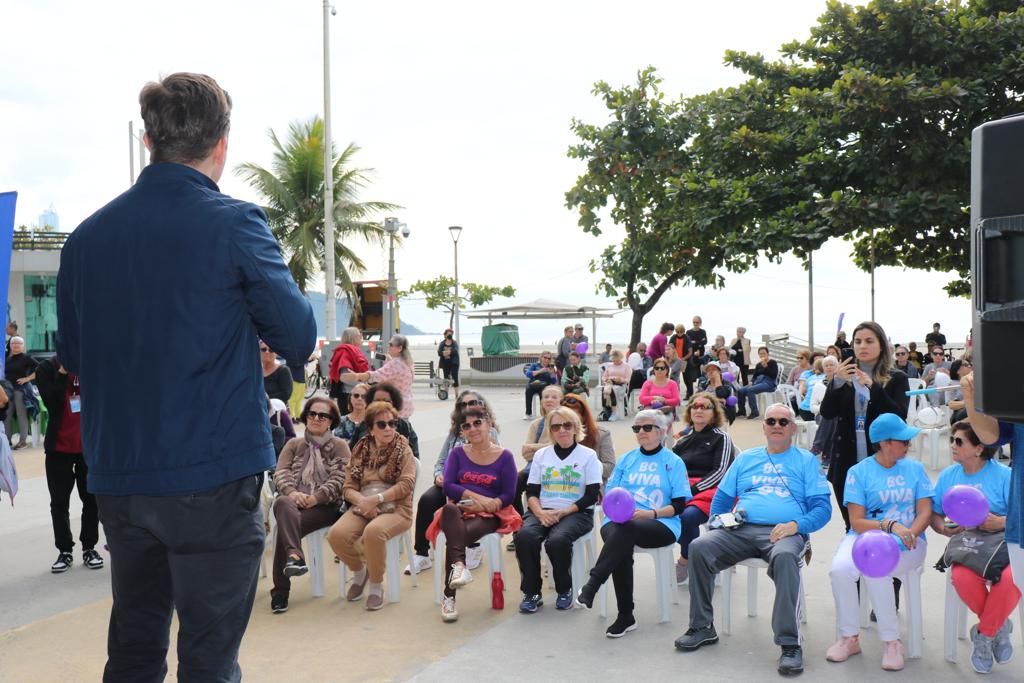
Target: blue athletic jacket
(161, 296)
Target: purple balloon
(729, 377)
(876, 553)
(732, 401)
(581, 348)
(618, 505)
(965, 505)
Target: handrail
(39, 240)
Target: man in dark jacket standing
(161, 297)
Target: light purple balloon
(876, 553)
(965, 505)
(618, 505)
(732, 401)
(729, 377)
(581, 348)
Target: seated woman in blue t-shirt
(656, 477)
(887, 492)
(973, 465)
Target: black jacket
(53, 388)
(838, 404)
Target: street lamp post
(330, 307)
(456, 232)
(392, 226)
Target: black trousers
(744, 373)
(432, 500)
(558, 540)
(198, 555)
(451, 372)
(531, 391)
(616, 558)
(65, 471)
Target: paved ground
(54, 627)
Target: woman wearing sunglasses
(862, 388)
(479, 482)
(537, 437)
(707, 451)
(398, 371)
(433, 498)
(277, 379)
(596, 438)
(992, 596)
(565, 481)
(722, 390)
(388, 393)
(884, 492)
(350, 422)
(658, 482)
(309, 477)
(660, 393)
(379, 484)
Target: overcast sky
(463, 110)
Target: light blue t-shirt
(993, 479)
(888, 493)
(653, 480)
(811, 380)
(766, 485)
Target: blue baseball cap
(890, 426)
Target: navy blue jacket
(161, 296)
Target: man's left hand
(781, 531)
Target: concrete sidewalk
(54, 626)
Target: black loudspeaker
(997, 265)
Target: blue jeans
(761, 386)
(691, 518)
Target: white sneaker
(459, 576)
(474, 556)
(527, 417)
(448, 611)
(614, 417)
(419, 563)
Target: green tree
(633, 164)
(293, 192)
(440, 293)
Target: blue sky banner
(7, 202)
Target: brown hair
(186, 114)
(964, 426)
(578, 404)
(390, 389)
(885, 364)
(332, 409)
(718, 417)
(374, 410)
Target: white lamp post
(330, 306)
(456, 232)
(392, 226)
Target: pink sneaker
(843, 649)
(892, 660)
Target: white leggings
(844, 575)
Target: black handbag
(983, 552)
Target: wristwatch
(380, 498)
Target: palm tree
(293, 191)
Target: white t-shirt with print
(562, 482)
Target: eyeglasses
(264, 349)
(661, 367)
(957, 441)
(357, 396)
(937, 353)
(470, 403)
(570, 401)
(314, 415)
(782, 421)
(901, 353)
(561, 426)
(466, 426)
(700, 406)
(389, 424)
(646, 428)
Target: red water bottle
(497, 592)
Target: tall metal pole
(458, 339)
(142, 149)
(389, 329)
(810, 300)
(330, 307)
(872, 274)
(131, 152)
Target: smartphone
(465, 501)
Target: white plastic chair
(933, 439)
(956, 619)
(753, 565)
(492, 548)
(911, 584)
(664, 579)
(584, 556)
(392, 570)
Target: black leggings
(432, 500)
(616, 557)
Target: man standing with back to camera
(161, 297)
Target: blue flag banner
(7, 202)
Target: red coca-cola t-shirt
(69, 435)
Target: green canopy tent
(545, 309)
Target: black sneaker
(511, 547)
(294, 567)
(622, 625)
(63, 563)
(791, 663)
(278, 603)
(697, 637)
(92, 559)
(586, 596)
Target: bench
(424, 369)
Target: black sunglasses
(559, 426)
(646, 428)
(357, 395)
(389, 424)
(661, 367)
(471, 402)
(570, 401)
(316, 415)
(466, 426)
(782, 421)
(957, 441)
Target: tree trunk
(638, 321)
